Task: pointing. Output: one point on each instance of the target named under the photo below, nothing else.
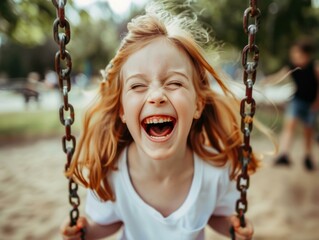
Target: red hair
(105, 136)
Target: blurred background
(283, 202)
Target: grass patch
(32, 124)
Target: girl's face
(158, 99)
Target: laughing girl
(159, 148)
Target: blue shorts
(301, 109)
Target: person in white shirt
(159, 148)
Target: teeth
(155, 120)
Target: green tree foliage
(17, 60)
(94, 40)
(26, 21)
(282, 22)
(26, 27)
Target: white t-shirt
(211, 193)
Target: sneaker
(282, 160)
(309, 164)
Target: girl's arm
(222, 224)
(92, 229)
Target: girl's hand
(242, 233)
(74, 232)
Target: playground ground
(283, 202)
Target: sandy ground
(283, 202)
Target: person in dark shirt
(304, 104)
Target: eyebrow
(177, 73)
(163, 78)
(137, 75)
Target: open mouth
(159, 126)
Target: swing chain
(63, 67)
(250, 58)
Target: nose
(157, 97)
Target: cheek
(130, 114)
(132, 104)
(184, 102)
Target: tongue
(159, 131)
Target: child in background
(159, 148)
(305, 101)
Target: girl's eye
(173, 85)
(138, 87)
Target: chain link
(63, 67)
(250, 58)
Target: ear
(122, 116)
(199, 108)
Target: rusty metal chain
(63, 67)
(250, 58)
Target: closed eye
(138, 87)
(174, 85)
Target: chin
(160, 154)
